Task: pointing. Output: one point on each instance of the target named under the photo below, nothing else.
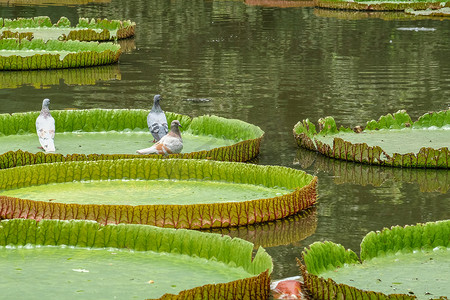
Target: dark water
(272, 67)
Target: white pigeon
(45, 128)
(171, 143)
(156, 120)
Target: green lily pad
(37, 54)
(393, 140)
(89, 260)
(442, 12)
(175, 193)
(52, 2)
(100, 134)
(144, 192)
(376, 5)
(409, 262)
(85, 30)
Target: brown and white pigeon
(156, 120)
(45, 128)
(171, 143)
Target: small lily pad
(393, 140)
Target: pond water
(274, 67)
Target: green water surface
(145, 192)
(111, 142)
(424, 274)
(396, 140)
(61, 272)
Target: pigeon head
(157, 98)
(45, 103)
(175, 123)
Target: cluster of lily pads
(96, 154)
(37, 43)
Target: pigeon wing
(45, 128)
(157, 124)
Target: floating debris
(416, 29)
(197, 100)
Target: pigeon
(45, 128)
(156, 120)
(171, 143)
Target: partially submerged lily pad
(85, 30)
(37, 54)
(442, 12)
(381, 5)
(393, 140)
(276, 192)
(399, 263)
(89, 260)
(100, 134)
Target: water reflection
(286, 231)
(44, 79)
(428, 180)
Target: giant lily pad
(381, 5)
(42, 79)
(85, 30)
(37, 54)
(163, 192)
(344, 172)
(99, 134)
(84, 259)
(393, 140)
(411, 262)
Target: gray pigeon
(171, 143)
(156, 120)
(45, 127)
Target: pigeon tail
(47, 144)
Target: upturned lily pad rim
(380, 5)
(247, 136)
(327, 256)
(234, 252)
(305, 135)
(83, 31)
(68, 54)
(193, 216)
